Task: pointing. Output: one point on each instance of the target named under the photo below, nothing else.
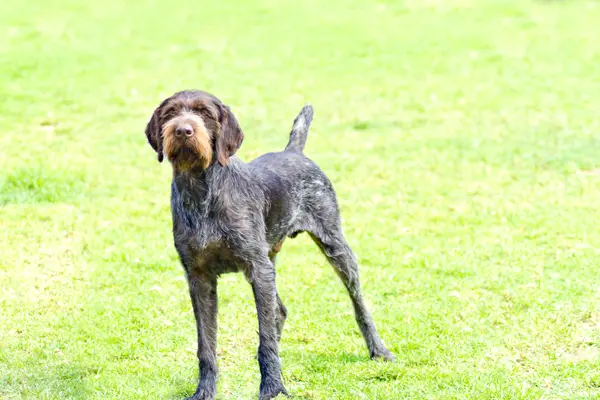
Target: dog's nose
(184, 130)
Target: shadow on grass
(184, 389)
(324, 359)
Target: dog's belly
(205, 251)
(282, 218)
(217, 261)
(214, 258)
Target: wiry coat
(229, 216)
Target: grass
(461, 136)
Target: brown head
(194, 129)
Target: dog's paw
(269, 391)
(201, 394)
(383, 355)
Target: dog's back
(296, 188)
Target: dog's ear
(154, 131)
(230, 136)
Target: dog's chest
(196, 231)
(202, 240)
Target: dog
(229, 216)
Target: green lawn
(462, 136)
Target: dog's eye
(205, 113)
(170, 113)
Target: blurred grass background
(461, 137)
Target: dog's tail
(300, 129)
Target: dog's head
(194, 129)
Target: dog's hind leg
(281, 312)
(332, 243)
(281, 315)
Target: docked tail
(300, 130)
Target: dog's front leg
(262, 279)
(203, 291)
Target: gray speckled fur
(234, 218)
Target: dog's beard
(195, 151)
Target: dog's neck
(197, 189)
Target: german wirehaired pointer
(229, 216)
